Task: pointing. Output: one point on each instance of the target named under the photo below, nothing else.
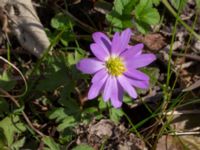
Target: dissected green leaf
(102, 104)
(131, 13)
(127, 99)
(53, 80)
(58, 114)
(50, 143)
(124, 6)
(55, 74)
(120, 16)
(66, 123)
(66, 135)
(73, 58)
(153, 73)
(142, 26)
(61, 21)
(10, 126)
(115, 114)
(18, 144)
(144, 12)
(67, 37)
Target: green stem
(166, 3)
(170, 55)
(186, 48)
(46, 52)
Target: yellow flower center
(115, 66)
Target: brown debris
(153, 41)
(112, 136)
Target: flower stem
(166, 3)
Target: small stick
(185, 133)
(23, 113)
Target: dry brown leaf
(154, 41)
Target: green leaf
(6, 82)
(115, 21)
(127, 99)
(120, 16)
(124, 6)
(102, 104)
(156, 2)
(50, 143)
(3, 143)
(142, 27)
(10, 126)
(54, 75)
(66, 135)
(66, 123)
(53, 80)
(74, 57)
(57, 114)
(153, 73)
(61, 21)
(82, 147)
(67, 37)
(18, 144)
(4, 106)
(115, 114)
(145, 13)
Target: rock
(103, 129)
(23, 22)
(111, 136)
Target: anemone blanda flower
(115, 67)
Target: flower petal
(136, 74)
(89, 65)
(99, 52)
(96, 88)
(103, 40)
(116, 94)
(107, 89)
(139, 83)
(125, 38)
(99, 75)
(116, 44)
(132, 51)
(140, 61)
(127, 86)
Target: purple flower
(115, 67)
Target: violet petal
(89, 65)
(99, 75)
(140, 61)
(103, 40)
(96, 87)
(127, 86)
(125, 38)
(99, 52)
(136, 74)
(139, 83)
(132, 51)
(107, 89)
(116, 44)
(116, 94)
